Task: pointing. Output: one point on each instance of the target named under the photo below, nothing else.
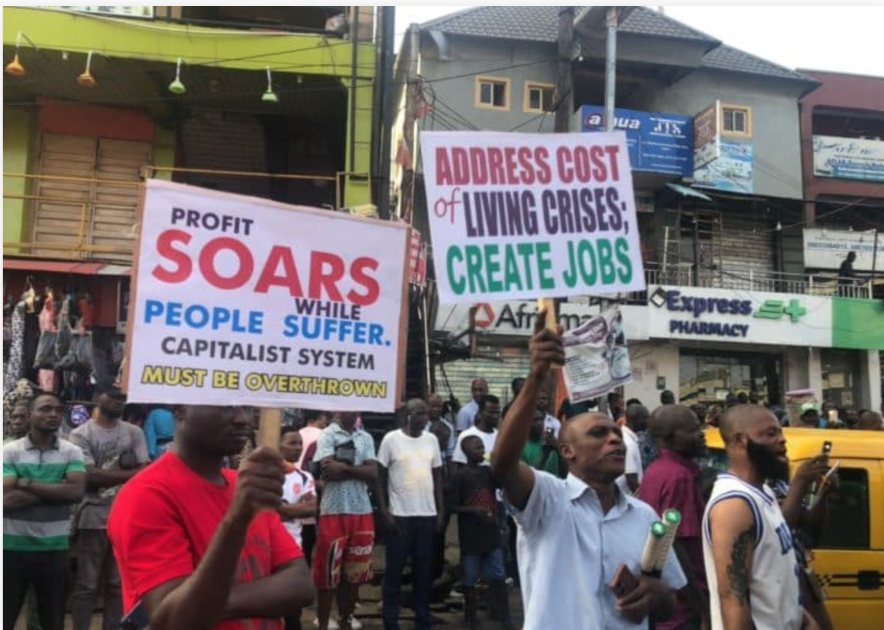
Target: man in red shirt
(671, 482)
(201, 547)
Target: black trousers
(47, 572)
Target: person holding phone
(583, 527)
(748, 548)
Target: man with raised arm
(575, 534)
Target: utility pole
(611, 66)
(409, 135)
(564, 79)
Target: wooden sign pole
(269, 427)
(552, 321)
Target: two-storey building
(721, 212)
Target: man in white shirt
(636, 421)
(576, 534)
(486, 429)
(466, 417)
(550, 423)
(410, 506)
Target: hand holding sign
(545, 347)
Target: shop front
(707, 344)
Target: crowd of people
(185, 523)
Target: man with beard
(576, 534)
(747, 546)
(202, 547)
(114, 452)
(672, 482)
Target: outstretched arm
(515, 477)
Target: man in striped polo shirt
(42, 476)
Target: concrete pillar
(870, 380)
(804, 369)
(655, 360)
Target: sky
(840, 39)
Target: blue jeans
(491, 565)
(415, 539)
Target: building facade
(715, 145)
(274, 102)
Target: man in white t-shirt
(485, 429)
(550, 423)
(466, 417)
(410, 506)
(636, 421)
(298, 500)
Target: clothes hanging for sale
(47, 381)
(29, 344)
(14, 367)
(47, 315)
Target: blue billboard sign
(658, 143)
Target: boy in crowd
(481, 546)
(299, 505)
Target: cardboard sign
(244, 301)
(520, 216)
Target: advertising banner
(707, 138)
(521, 216)
(848, 158)
(827, 249)
(244, 301)
(658, 143)
(732, 171)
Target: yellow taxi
(848, 557)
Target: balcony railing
(754, 280)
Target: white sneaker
(355, 624)
(332, 624)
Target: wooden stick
(551, 321)
(269, 428)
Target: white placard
(244, 301)
(521, 216)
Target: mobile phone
(833, 415)
(827, 448)
(624, 582)
(135, 619)
(818, 491)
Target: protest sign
(596, 358)
(521, 216)
(244, 301)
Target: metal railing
(747, 279)
(81, 247)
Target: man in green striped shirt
(42, 476)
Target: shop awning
(686, 191)
(69, 267)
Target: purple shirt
(671, 482)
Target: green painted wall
(159, 41)
(857, 324)
(17, 135)
(140, 39)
